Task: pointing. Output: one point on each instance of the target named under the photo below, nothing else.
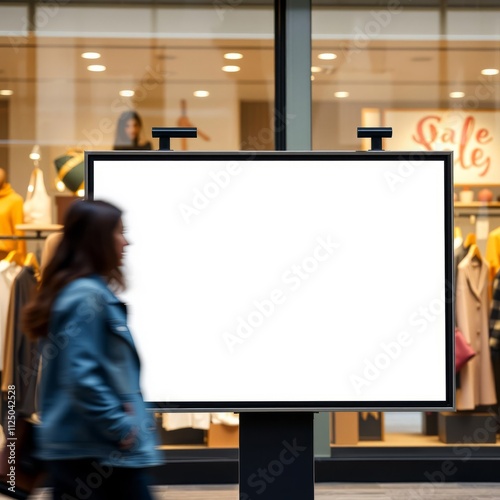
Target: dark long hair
(87, 247)
(121, 138)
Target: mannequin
(184, 121)
(11, 214)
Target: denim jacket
(89, 392)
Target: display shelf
(399, 440)
(477, 204)
(478, 208)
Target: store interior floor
(331, 491)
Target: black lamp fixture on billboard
(375, 134)
(167, 133)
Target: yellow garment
(11, 214)
(493, 254)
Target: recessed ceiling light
(327, 56)
(490, 71)
(6, 92)
(91, 55)
(457, 95)
(233, 55)
(126, 93)
(315, 69)
(201, 93)
(341, 94)
(96, 67)
(313, 78)
(231, 69)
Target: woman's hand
(128, 441)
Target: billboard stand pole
(166, 133)
(276, 456)
(375, 134)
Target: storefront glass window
(429, 70)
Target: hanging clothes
(459, 254)
(226, 418)
(458, 238)
(20, 356)
(8, 273)
(477, 386)
(493, 254)
(175, 421)
(495, 318)
(11, 214)
(495, 333)
(461, 250)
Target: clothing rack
(37, 229)
(38, 236)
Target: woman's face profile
(120, 242)
(132, 129)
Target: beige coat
(477, 384)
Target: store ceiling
(382, 72)
(314, 3)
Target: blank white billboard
(286, 280)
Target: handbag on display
(37, 206)
(463, 350)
